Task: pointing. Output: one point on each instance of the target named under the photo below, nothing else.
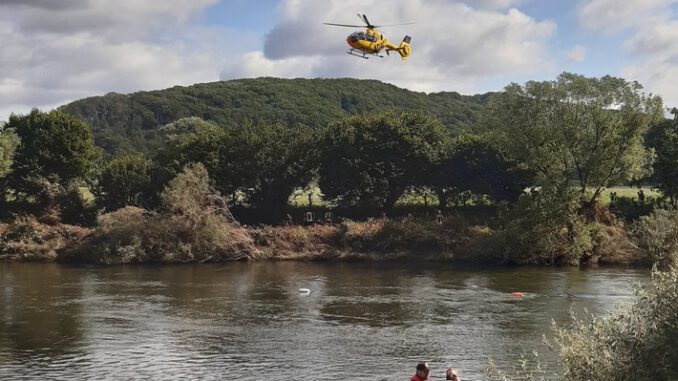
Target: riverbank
(132, 235)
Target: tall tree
(53, 145)
(666, 164)
(370, 160)
(587, 129)
(473, 164)
(54, 150)
(124, 181)
(268, 162)
(8, 143)
(187, 141)
(190, 140)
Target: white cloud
(54, 53)
(657, 46)
(652, 45)
(577, 53)
(492, 4)
(615, 15)
(454, 45)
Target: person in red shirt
(422, 372)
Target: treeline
(550, 149)
(130, 123)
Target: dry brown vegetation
(374, 239)
(193, 225)
(27, 239)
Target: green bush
(657, 237)
(630, 209)
(543, 229)
(75, 210)
(637, 342)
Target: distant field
(86, 194)
(628, 192)
(300, 197)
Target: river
(249, 321)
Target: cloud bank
(652, 47)
(56, 51)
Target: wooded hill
(130, 122)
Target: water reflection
(250, 320)
(36, 317)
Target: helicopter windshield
(357, 36)
(362, 36)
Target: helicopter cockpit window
(358, 36)
(370, 37)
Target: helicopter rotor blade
(369, 25)
(381, 26)
(344, 25)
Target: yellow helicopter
(372, 42)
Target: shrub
(657, 237)
(636, 343)
(630, 209)
(75, 210)
(543, 229)
(194, 224)
(26, 238)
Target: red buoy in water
(517, 294)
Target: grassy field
(628, 192)
(300, 197)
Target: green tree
(53, 145)
(8, 143)
(267, 162)
(190, 140)
(588, 129)
(184, 142)
(666, 164)
(473, 164)
(124, 181)
(55, 150)
(370, 160)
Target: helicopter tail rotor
(404, 49)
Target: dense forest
(124, 123)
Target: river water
(249, 321)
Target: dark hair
(423, 366)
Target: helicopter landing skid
(361, 54)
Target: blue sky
(56, 52)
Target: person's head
(452, 374)
(422, 370)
